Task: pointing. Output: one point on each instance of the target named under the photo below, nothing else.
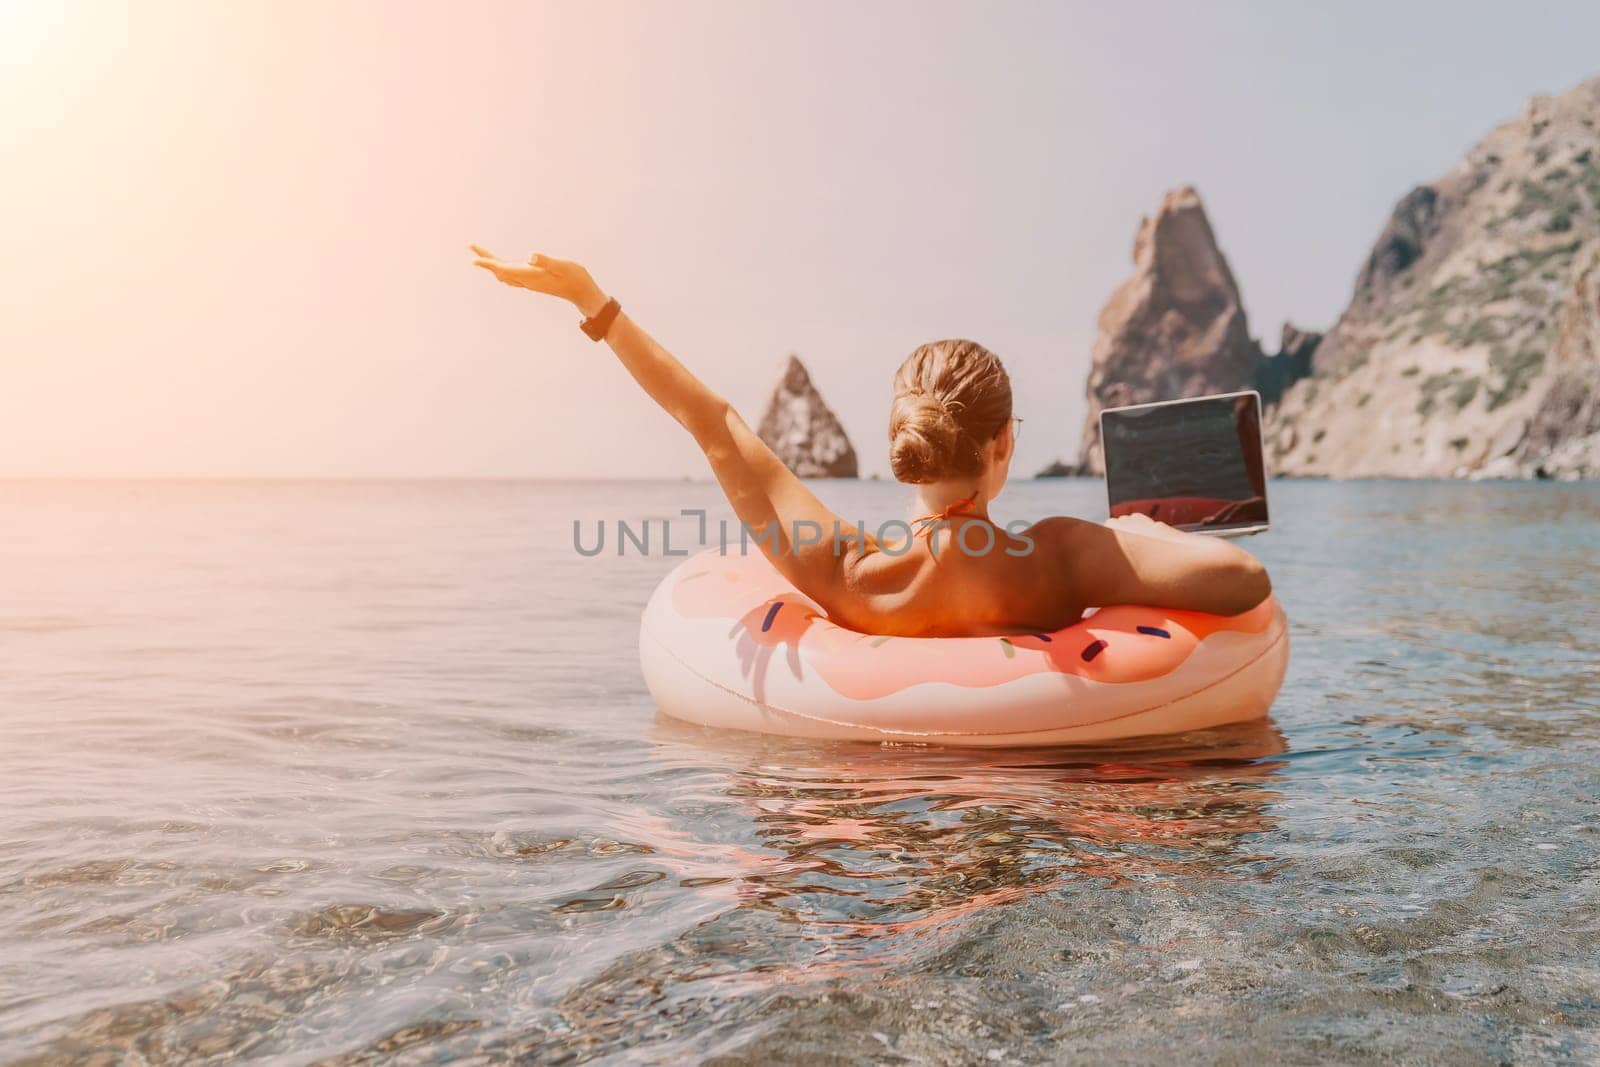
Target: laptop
(1193, 464)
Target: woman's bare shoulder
(1058, 530)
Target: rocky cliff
(1175, 328)
(1469, 347)
(1563, 438)
(804, 431)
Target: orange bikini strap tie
(956, 507)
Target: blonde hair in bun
(950, 399)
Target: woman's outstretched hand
(546, 274)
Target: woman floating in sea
(951, 435)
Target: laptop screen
(1193, 464)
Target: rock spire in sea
(803, 431)
(1175, 328)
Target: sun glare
(33, 33)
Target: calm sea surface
(366, 772)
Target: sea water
(366, 771)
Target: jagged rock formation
(1469, 345)
(1275, 374)
(803, 430)
(1175, 328)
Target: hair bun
(951, 398)
(924, 438)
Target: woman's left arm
(795, 529)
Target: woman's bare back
(1040, 579)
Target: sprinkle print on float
(726, 641)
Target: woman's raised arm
(795, 529)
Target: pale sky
(235, 233)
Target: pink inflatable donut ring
(726, 641)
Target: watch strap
(597, 324)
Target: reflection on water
(862, 842)
(863, 845)
(366, 773)
(863, 855)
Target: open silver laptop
(1194, 464)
